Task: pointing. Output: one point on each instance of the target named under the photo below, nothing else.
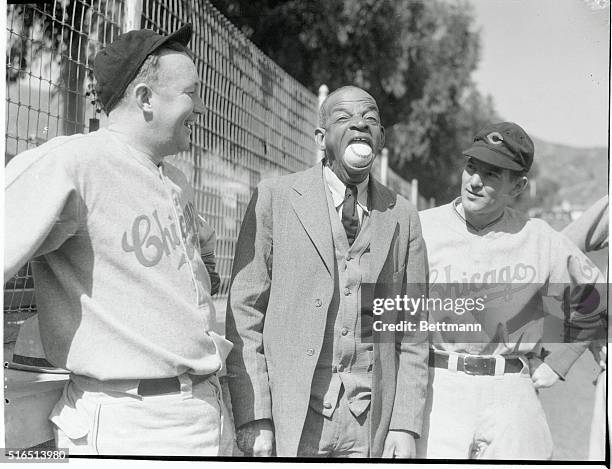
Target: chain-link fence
(259, 121)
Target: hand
(399, 444)
(599, 349)
(544, 376)
(256, 438)
(207, 235)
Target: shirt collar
(338, 189)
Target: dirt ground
(569, 405)
(569, 409)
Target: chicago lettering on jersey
(149, 239)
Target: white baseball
(358, 155)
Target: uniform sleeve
(581, 290)
(590, 232)
(412, 373)
(246, 311)
(208, 241)
(42, 208)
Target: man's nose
(358, 123)
(198, 105)
(475, 180)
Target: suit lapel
(383, 223)
(309, 202)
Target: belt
(154, 387)
(475, 364)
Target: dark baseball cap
(505, 145)
(116, 65)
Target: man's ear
(519, 186)
(320, 138)
(142, 95)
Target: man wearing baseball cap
(123, 295)
(485, 371)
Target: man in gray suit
(307, 375)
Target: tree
(414, 57)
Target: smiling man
(123, 295)
(483, 403)
(306, 376)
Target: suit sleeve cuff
(563, 356)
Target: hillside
(578, 175)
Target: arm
(590, 231)
(208, 241)
(43, 208)
(246, 310)
(412, 373)
(579, 285)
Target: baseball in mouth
(358, 154)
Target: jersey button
(344, 331)
(318, 303)
(347, 291)
(310, 352)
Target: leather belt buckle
(474, 365)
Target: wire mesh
(259, 121)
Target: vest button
(327, 405)
(310, 352)
(340, 368)
(344, 331)
(318, 303)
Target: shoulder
(282, 183)
(436, 215)
(64, 152)
(435, 212)
(537, 225)
(396, 201)
(405, 207)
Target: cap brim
(492, 157)
(181, 35)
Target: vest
(345, 361)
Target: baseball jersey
(121, 289)
(527, 260)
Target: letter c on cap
(495, 138)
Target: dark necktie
(350, 219)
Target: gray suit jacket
(282, 285)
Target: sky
(545, 63)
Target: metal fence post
(323, 92)
(384, 166)
(414, 193)
(133, 14)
